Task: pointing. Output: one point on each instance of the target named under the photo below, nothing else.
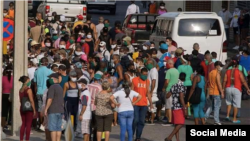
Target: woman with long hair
(27, 116)
(7, 86)
(199, 81)
(125, 109)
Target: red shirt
(205, 69)
(85, 48)
(237, 82)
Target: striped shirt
(94, 89)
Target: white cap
(62, 18)
(55, 32)
(102, 43)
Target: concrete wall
(172, 6)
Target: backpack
(125, 63)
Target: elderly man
(197, 47)
(172, 77)
(127, 43)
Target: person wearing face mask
(78, 52)
(162, 9)
(234, 24)
(54, 35)
(216, 92)
(127, 43)
(48, 43)
(71, 88)
(90, 41)
(104, 52)
(5, 13)
(64, 60)
(84, 111)
(100, 26)
(104, 37)
(165, 55)
(118, 69)
(141, 85)
(90, 27)
(27, 116)
(226, 17)
(84, 45)
(152, 7)
(146, 46)
(35, 32)
(130, 74)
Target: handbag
(196, 96)
(26, 105)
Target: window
(199, 27)
(141, 19)
(150, 19)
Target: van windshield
(67, 1)
(199, 27)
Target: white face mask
(61, 57)
(11, 60)
(152, 47)
(62, 46)
(220, 69)
(122, 54)
(5, 14)
(101, 49)
(113, 46)
(60, 26)
(165, 63)
(162, 7)
(79, 86)
(73, 79)
(116, 52)
(78, 53)
(72, 67)
(145, 48)
(47, 44)
(49, 18)
(89, 36)
(82, 41)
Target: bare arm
(218, 78)
(137, 100)
(83, 110)
(119, 70)
(193, 87)
(47, 106)
(96, 45)
(149, 95)
(132, 86)
(165, 85)
(94, 30)
(127, 77)
(30, 95)
(243, 81)
(225, 81)
(65, 88)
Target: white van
(187, 28)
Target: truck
(68, 8)
(102, 5)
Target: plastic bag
(69, 131)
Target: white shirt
(126, 103)
(131, 49)
(99, 28)
(132, 9)
(88, 113)
(234, 22)
(225, 17)
(105, 55)
(31, 72)
(153, 74)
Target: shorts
(233, 97)
(236, 30)
(85, 125)
(178, 117)
(103, 123)
(39, 98)
(55, 122)
(169, 102)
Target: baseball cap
(84, 57)
(179, 51)
(147, 43)
(105, 29)
(127, 38)
(34, 42)
(54, 75)
(164, 46)
(218, 63)
(82, 80)
(102, 43)
(98, 75)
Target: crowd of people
(94, 73)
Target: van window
(141, 19)
(199, 27)
(150, 19)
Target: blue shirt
(40, 78)
(244, 61)
(160, 63)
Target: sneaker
(165, 119)
(157, 119)
(6, 128)
(78, 135)
(150, 123)
(227, 119)
(42, 128)
(236, 47)
(167, 124)
(217, 123)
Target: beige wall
(172, 6)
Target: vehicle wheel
(112, 11)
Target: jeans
(55, 122)
(126, 121)
(215, 106)
(139, 120)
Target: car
(138, 27)
(68, 8)
(102, 5)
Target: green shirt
(173, 76)
(240, 68)
(188, 71)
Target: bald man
(171, 78)
(196, 46)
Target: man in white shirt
(100, 26)
(132, 8)
(234, 24)
(153, 79)
(104, 52)
(226, 17)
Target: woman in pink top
(162, 8)
(7, 85)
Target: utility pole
(1, 64)
(20, 59)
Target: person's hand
(248, 91)
(185, 111)
(151, 107)
(118, 104)
(80, 117)
(45, 112)
(222, 95)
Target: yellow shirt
(135, 55)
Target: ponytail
(125, 85)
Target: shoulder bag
(26, 104)
(196, 96)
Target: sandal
(237, 121)
(227, 119)
(166, 139)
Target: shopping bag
(69, 131)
